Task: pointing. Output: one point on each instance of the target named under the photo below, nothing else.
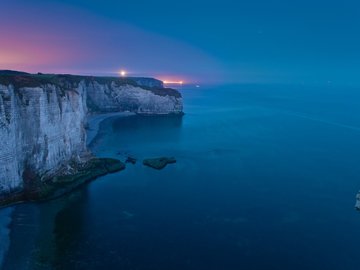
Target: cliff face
(113, 97)
(41, 128)
(42, 119)
(149, 82)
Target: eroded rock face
(40, 129)
(42, 119)
(114, 97)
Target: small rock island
(43, 153)
(159, 163)
(357, 202)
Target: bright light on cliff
(122, 73)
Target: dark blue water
(265, 178)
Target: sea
(266, 178)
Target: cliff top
(68, 82)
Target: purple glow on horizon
(85, 44)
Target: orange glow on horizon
(173, 82)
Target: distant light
(122, 73)
(174, 82)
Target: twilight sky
(257, 41)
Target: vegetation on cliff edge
(69, 82)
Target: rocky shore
(36, 188)
(93, 123)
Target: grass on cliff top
(69, 82)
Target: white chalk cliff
(114, 97)
(42, 118)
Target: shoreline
(94, 121)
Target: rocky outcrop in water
(158, 163)
(42, 120)
(357, 202)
